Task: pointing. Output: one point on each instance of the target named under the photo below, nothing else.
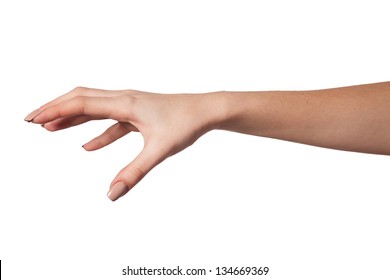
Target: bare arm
(353, 118)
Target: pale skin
(355, 118)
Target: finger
(95, 107)
(63, 123)
(78, 91)
(112, 134)
(129, 176)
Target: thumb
(129, 176)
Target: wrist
(227, 109)
(244, 112)
(216, 109)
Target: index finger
(78, 91)
(102, 107)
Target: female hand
(168, 123)
(352, 118)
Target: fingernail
(32, 115)
(117, 190)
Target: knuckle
(127, 106)
(128, 99)
(110, 138)
(79, 99)
(132, 92)
(136, 173)
(81, 102)
(79, 90)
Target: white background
(228, 200)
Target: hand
(168, 123)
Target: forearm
(353, 118)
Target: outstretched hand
(352, 118)
(168, 123)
